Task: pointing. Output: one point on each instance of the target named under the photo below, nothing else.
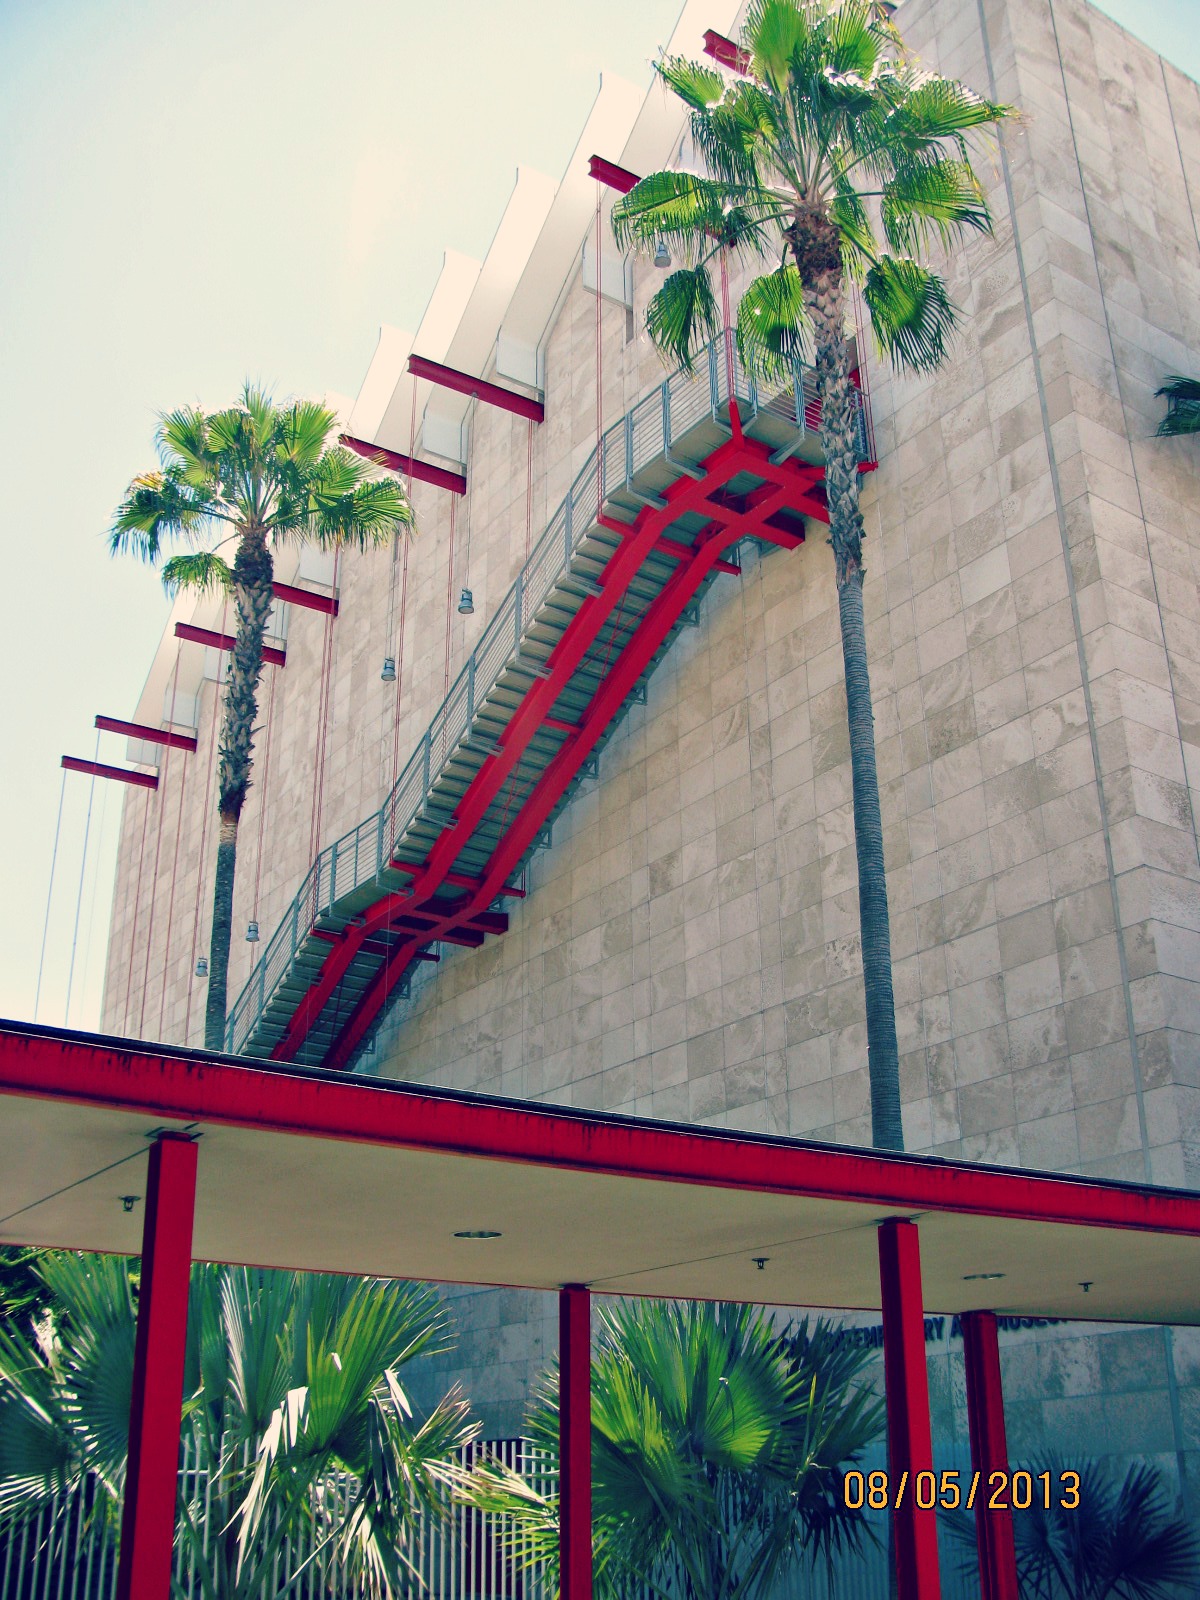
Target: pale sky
(195, 194)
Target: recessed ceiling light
(978, 1277)
(477, 1233)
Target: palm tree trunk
(253, 571)
(840, 439)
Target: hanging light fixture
(662, 256)
(466, 603)
(202, 966)
(388, 675)
(252, 932)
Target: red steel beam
(188, 1086)
(140, 730)
(906, 1386)
(156, 1409)
(224, 641)
(328, 604)
(619, 178)
(989, 1453)
(726, 52)
(492, 394)
(575, 1441)
(97, 769)
(409, 466)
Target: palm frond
(202, 570)
(940, 197)
(683, 316)
(1183, 407)
(775, 31)
(911, 313)
(773, 332)
(696, 85)
(675, 207)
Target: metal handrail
(641, 436)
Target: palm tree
(263, 475)
(291, 1378)
(1183, 407)
(1101, 1538)
(717, 1453)
(835, 155)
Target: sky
(194, 195)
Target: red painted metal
(140, 730)
(187, 1086)
(575, 1441)
(906, 1383)
(989, 1453)
(492, 394)
(224, 641)
(409, 466)
(609, 172)
(97, 769)
(327, 604)
(148, 1510)
(726, 51)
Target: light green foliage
(1183, 407)
(289, 1379)
(717, 1452)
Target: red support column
(906, 1381)
(148, 1512)
(575, 1441)
(989, 1453)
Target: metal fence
(67, 1553)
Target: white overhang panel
(554, 256)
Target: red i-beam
(156, 1409)
(224, 641)
(492, 394)
(141, 730)
(397, 461)
(97, 769)
(989, 1453)
(906, 1384)
(575, 1441)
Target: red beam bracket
(409, 466)
(725, 52)
(619, 178)
(224, 641)
(139, 730)
(326, 603)
(142, 780)
(492, 394)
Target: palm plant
(835, 155)
(1122, 1540)
(717, 1454)
(1183, 407)
(264, 476)
(291, 1380)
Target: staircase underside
(489, 796)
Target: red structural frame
(575, 1441)
(140, 730)
(188, 1086)
(148, 1508)
(909, 1437)
(224, 641)
(789, 485)
(397, 461)
(492, 394)
(989, 1453)
(327, 604)
(97, 769)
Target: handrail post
(470, 688)
(518, 600)
(568, 519)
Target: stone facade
(689, 946)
